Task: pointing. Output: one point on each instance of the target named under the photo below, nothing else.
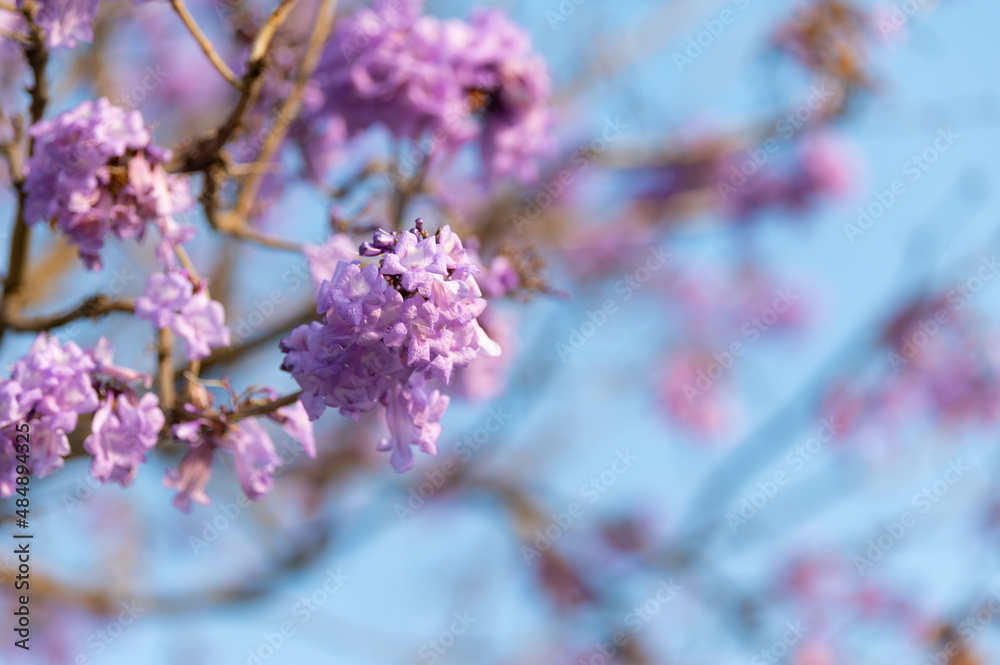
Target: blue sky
(405, 582)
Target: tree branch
(267, 407)
(91, 308)
(204, 151)
(205, 44)
(288, 112)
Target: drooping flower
(409, 316)
(170, 301)
(414, 415)
(163, 296)
(123, 430)
(95, 172)
(201, 322)
(246, 440)
(191, 477)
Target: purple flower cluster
(457, 81)
(51, 387)
(171, 301)
(255, 457)
(65, 22)
(390, 325)
(95, 171)
(821, 168)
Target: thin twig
(267, 407)
(165, 368)
(14, 37)
(228, 224)
(38, 58)
(205, 44)
(204, 152)
(92, 307)
(288, 111)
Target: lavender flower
(170, 301)
(456, 81)
(247, 441)
(52, 386)
(95, 172)
(65, 22)
(323, 259)
(389, 326)
(413, 415)
(124, 428)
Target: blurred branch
(287, 114)
(267, 407)
(205, 44)
(165, 370)
(204, 152)
(91, 308)
(38, 57)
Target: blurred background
(748, 404)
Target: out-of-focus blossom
(123, 430)
(822, 168)
(694, 398)
(451, 80)
(170, 301)
(487, 377)
(930, 363)
(65, 22)
(255, 458)
(323, 259)
(54, 384)
(95, 172)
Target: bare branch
(205, 44)
(91, 308)
(267, 407)
(289, 110)
(165, 369)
